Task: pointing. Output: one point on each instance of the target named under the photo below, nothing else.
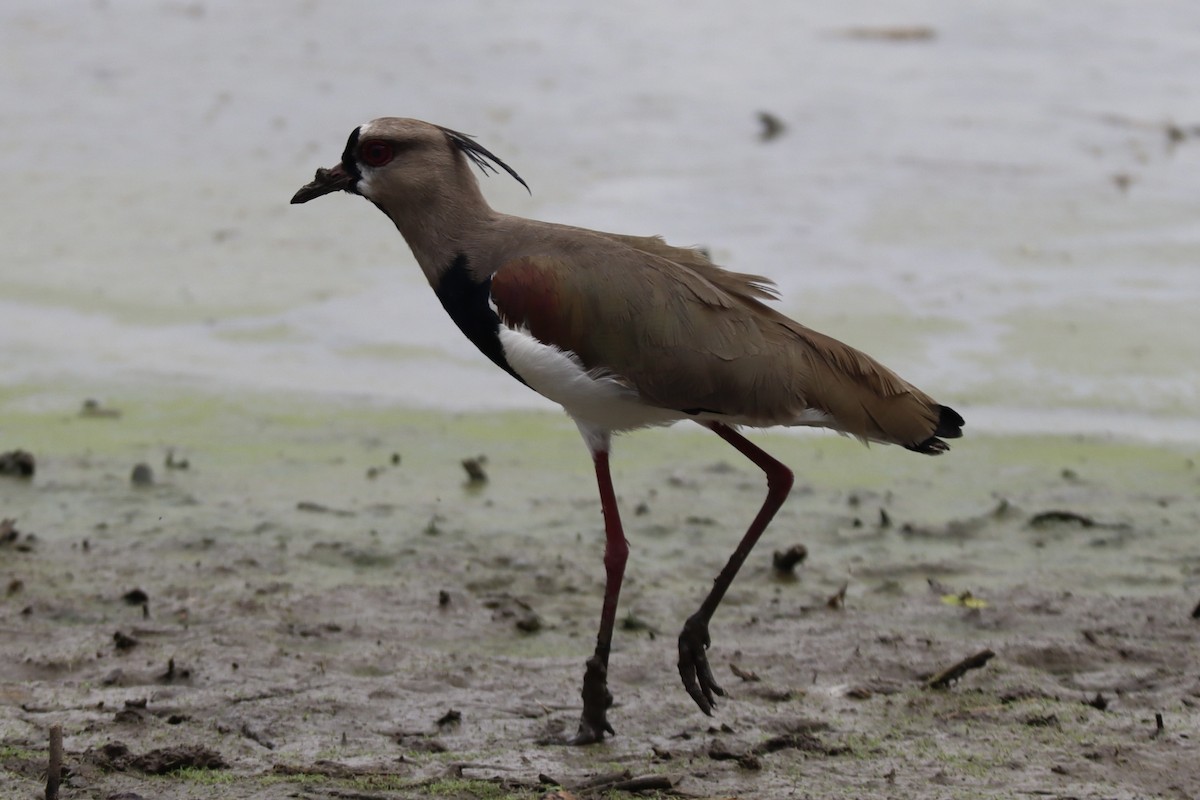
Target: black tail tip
(932, 446)
(949, 424)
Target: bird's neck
(437, 225)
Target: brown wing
(695, 338)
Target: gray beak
(326, 181)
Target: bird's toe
(590, 732)
(694, 669)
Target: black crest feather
(480, 156)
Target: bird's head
(393, 161)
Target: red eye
(375, 152)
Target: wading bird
(624, 332)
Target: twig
(644, 783)
(54, 771)
(616, 781)
(947, 676)
(1058, 517)
(602, 781)
(749, 676)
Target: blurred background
(997, 200)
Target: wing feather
(690, 336)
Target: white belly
(592, 398)
(601, 404)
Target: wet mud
(290, 619)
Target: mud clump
(474, 467)
(17, 464)
(786, 561)
(142, 475)
(116, 756)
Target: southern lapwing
(624, 332)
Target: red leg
(596, 697)
(694, 639)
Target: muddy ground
(313, 600)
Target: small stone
(17, 464)
(142, 475)
(124, 642)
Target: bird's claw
(596, 702)
(697, 676)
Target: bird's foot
(693, 664)
(596, 702)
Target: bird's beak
(326, 181)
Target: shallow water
(952, 204)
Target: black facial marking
(466, 301)
(349, 157)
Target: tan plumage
(692, 336)
(623, 331)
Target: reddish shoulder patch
(527, 292)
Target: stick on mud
(943, 679)
(54, 770)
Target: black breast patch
(466, 301)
